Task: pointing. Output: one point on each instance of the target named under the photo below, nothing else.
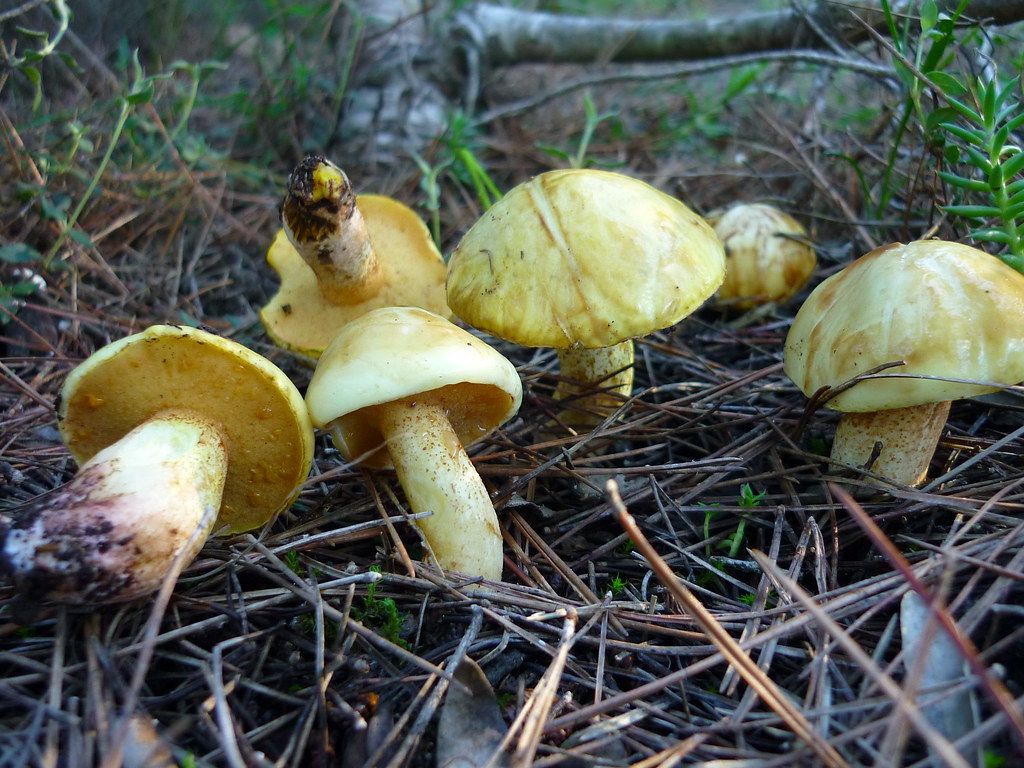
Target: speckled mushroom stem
(113, 532)
(905, 438)
(324, 224)
(595, 380)
(437, 476)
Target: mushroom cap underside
(767, 257)
(259, 411)
(410, 354)
(946, 310)
(301, 319)
(583, 258)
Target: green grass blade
(972, 211)
(973, 185)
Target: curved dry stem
(897, 444)
(437, 476)
(113, 532)
(596, 381)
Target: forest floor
(322, 639)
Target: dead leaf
(471, 728)
(955, 714)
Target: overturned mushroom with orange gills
(339, 255)
(178, 433)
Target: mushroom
(767, 255)
(340, 255)
(584, 261)
(947, 313)
(173, 429)
(403, 387)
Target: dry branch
(505, 36)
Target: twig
(935, 740)
(990, 684)
(675, 71)
(531, 719)
(754, 676)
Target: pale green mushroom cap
(944, 309)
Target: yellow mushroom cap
(583, 258)
(258, 410)
(406, 352)
(300, 319)
(944, 309)
(763, 261)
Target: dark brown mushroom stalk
(130, 510)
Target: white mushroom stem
(437, 476)
(346, 266)
(329, 232)
(896, 444)
(113, 532)
(595, 380)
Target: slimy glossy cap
(944, 309)
(583, 258)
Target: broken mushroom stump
(339, 255)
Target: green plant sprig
(139, 92)
(382, 614)
(981, 138)
(929, 51)
(975, 129)
(27, 64)
(460, 141)
(592, 119)
(748, 499)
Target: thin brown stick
(991, 685)
(754, 676)
(533, 717)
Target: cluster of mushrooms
(582, 261)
